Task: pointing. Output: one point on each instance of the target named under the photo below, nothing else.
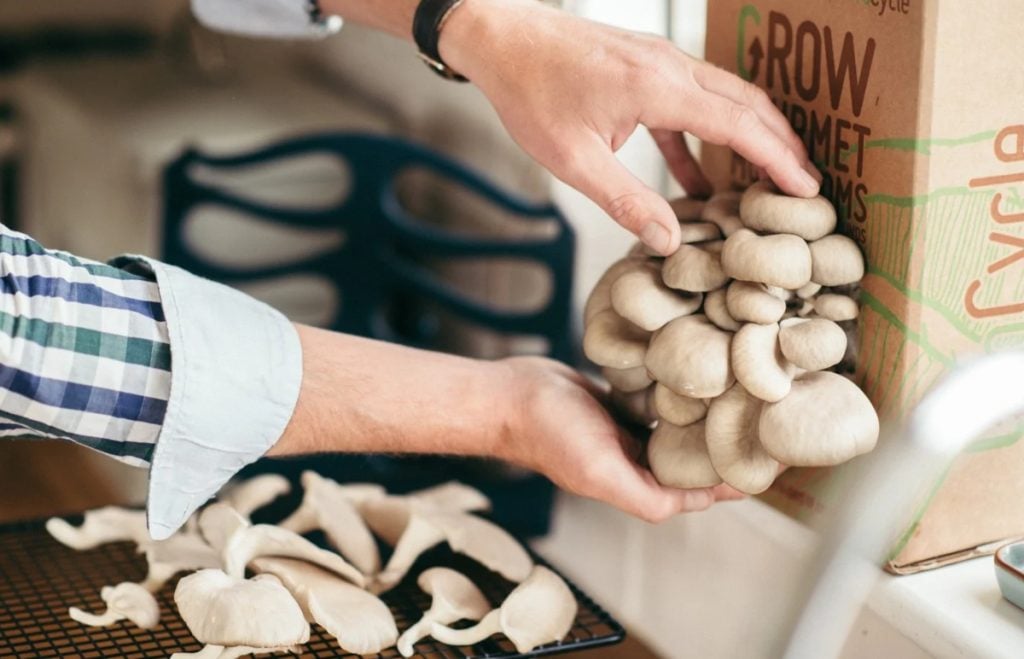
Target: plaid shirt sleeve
(146, 363)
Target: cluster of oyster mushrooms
(297, 583)
(732, 344)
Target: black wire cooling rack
(40, 578)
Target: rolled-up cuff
(236, 370)
(283, 19)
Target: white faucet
(971, 399)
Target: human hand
(571, 91)
(557, 426)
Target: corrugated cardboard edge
(980, 551)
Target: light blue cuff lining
(236, 370)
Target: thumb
(597, 173)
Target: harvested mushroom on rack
(728, 355)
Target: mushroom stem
(489, 625)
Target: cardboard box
(915, 112)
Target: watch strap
(427, 24)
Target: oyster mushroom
(467, 534)
(250, 495)
(600, 298)
(695, 268)
(678, 410)
(753, 303)
(222, 610)
(643, 299)
(781, 260)
(716, 309)
(628, 380)
(454, 598)
(540, 610)
(764, 208)
(181, 552)
(637, 406)
(723, 210)
(826, 420)
(360, 621)
(812, 344)
(687, 209)
(758, 363)
(679, 456)
(834, 307)
(837, 261)
(218, 522)
(100, 526)
(698, 232)
(731, 429)
(234, 652)
(691, 357)
(331, 507)
(259, 540)
(452, 496)
(613, 341)
(126, 601)
(808, 291)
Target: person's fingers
(681, 163)
(621, 482)
(739, 91)
(594, 170)
(721, 121)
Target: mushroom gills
(358, 620)
(540, 610)
(330, 506)
(736, 453)
(679, 456)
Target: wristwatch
(429, 20)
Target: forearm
(391, 16)
(364, 396)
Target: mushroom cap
(749, 302)
(758, 363)
(690, 356)
(452, 496)
(642, 298)
(125, 601)
(679, 456)
(699, 232)
(611, 340)
(733, 444)
(251, 494)
(678, 410)
(826, 420)
(637, 406)
(723, 210)
(812, 344)
(810, 290)
(540, 610)
(600, 298)
(836, 261)
(837, 308)
(222, 610)
(716, 309)
(781, 260)
(218, 522)
(627, 380)
(687, 209)
(696, 268)
(455, 597)
(764, 208)
(360, 621)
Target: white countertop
(955, 611)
